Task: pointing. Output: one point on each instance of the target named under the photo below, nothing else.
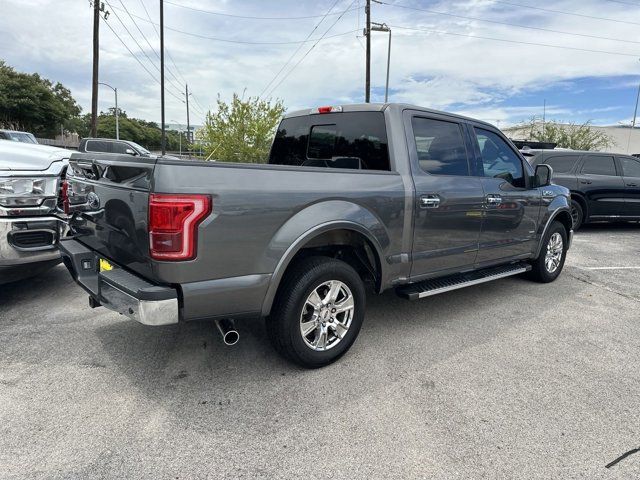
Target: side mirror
(543, 175)
(130, 151)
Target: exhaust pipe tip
(227, 329)
(231, 337)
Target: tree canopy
(576, 136)
(30, 102)
(242, 130)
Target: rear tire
(323, 297)
(577, 214)
(547, 267)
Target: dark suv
(604, 186)
(109, 145)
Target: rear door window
(630, 167)
(561, 163)
(598, 165)
(99, 146)
(440, 147)
(350, 140)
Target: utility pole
(98, 8)
(96, 53)
(186, 94)
(164, 133)
(367, 32)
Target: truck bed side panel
(254, 204)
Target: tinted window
(562, 163)
(98, 146)
(598, 165)
(440, 147)
(630, 167)
(498, 158)
(354, 140)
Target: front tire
(318, 312)
(547, 267)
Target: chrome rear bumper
(118, 289)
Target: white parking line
(611, 268)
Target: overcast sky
(438, 59)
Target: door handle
(586, 182)
(430, 201)
(493, 199)
(632, 184)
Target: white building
(626, 140)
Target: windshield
(22, 137)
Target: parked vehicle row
(604, 186)
(380, 196)
(30, 226)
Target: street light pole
(115, 91)
(383, 27)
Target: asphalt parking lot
(509, 379)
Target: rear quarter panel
(260, 211)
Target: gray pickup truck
(379, 196)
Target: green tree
(241, 131)
(577, 136)
(33, 103)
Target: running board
(433, 286)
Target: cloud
(494, 80)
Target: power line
(168, 53)
(505, 23)
(515, 41)
(298, 49)
(158, 35)
(177, 88)
(146, 39)
(241, 42)
(519, 5)
(312, 47)
(136, 58)
(133, 38)
(250, 17)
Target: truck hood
(24, 157)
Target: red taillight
(64, 196)
(329, 109)
(173, 224)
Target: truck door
(448, 210)
(511, 207)
(631, 176)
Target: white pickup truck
(30, 223)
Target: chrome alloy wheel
(554, 253)
(326, 315)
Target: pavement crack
(622, 457)
(608, 289)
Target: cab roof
(381, 107)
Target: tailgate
(108, 196)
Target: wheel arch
(563, 215)
(582, 200)
(328, 234)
